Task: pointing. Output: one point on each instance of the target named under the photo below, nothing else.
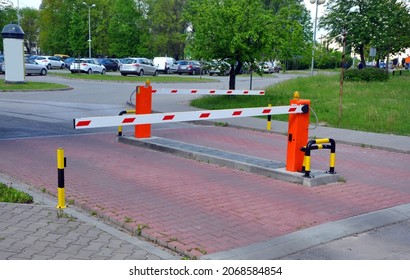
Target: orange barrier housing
(143, 105)
(298, 131)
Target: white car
(87, 65)
(166, 64)
(50, 62)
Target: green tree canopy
(383, 24)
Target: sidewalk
(195, 208)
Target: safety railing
(120, 114)
(324, 143)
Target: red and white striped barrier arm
(208, 91)
(96, 122)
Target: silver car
(138, 66)
(31, 67)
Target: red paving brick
(197, 207)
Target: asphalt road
(51, 113)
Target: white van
(167, 65)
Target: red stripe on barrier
(237, 113)
(83, 123)
(174, 91)
(293, 109)
(266, 111)
(154, 91)
(229, 92)
(204, 115)
(128, 120)
(262, 92)
(212, 91)
(194, 91)
(245, 91)
(168, 118)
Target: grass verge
(31, 86)
(380, 107)
(132, 78)
(8, 194)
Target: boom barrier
(208, 91)
(143, 118)
(97, 122)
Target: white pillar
(13, 42)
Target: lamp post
(342, 76)
(317, 3)
(89, 27)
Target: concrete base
(269, 168)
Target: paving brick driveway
(197, 208)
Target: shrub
(368, 74)
(8, 194)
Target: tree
(381, 23)
(29, 24)
(168, 28)
(7, 15)
(54, 24)
(236, 30)
(128, 30)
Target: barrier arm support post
(143, 105)
(120, 114)
(298, 131)
(61, 163)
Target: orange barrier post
(298, 131)
(143, 105)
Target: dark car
(68, 62)
(109, 64)
(191, 67)
(1, 64)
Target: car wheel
(49, 66)
(123, 74)
(89, 71)
(141, 73)
(167, 71)
(43, 72)
(155, 73)
(62, 66)
(103, 72)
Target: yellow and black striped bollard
(61, 163)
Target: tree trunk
(232, 79)
(361, 52)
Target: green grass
(132, 78)
(30, 86)
(8, 194)
(380, 107)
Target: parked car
(31, 68)
(138, 66)
(1, 64)
(166, 65)
(50, 61)
(267, 67)
(110, 64)
(219, 67)
(68, 62)
(87, 65)
(191, 67)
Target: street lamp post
(89, 27)
(317, 3)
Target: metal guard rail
(324, 143)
